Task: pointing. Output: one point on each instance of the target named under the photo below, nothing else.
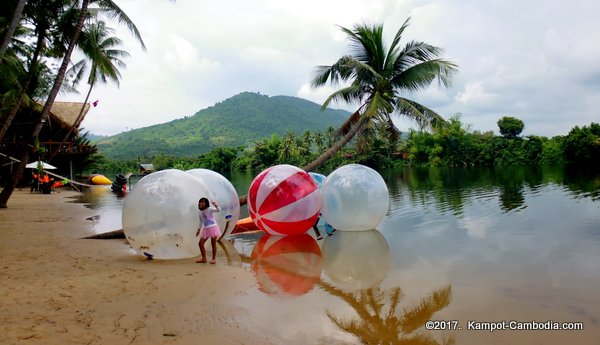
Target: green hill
(236, 121)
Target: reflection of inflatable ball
(356, 260)
(289, 265)
(224, 194)
(284, 200)
(355, 198)
(160, 215)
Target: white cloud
(181, 55)
(535, 61)
(474, 93)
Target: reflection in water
(511, 197)
(379, 321)
(289, 265)
(583, 182)
(107, 206)
(356, 260)
(453, 188)
(511, 241)
(233, 257)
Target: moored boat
(99, 179)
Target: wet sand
(57, 288)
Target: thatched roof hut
(66, 113)
(63, 115)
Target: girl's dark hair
(205, 203)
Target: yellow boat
(100, 179)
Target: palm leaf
(394, 49)
(423, 116)
(420, 76)
(111, 10)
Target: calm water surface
(460, 245)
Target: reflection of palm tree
(378, 325)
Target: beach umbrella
(45, 166)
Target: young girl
(211, 228)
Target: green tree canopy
(510, 127)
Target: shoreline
(58, 288)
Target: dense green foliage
(582, 145)
(453, 146)
(237, 121)
(459, 146)
(510, 127)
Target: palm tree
(43, 17)
(106, 7)
(8, 34)
(319, 139)
(104, 61)
(378, 77)
(288, 147)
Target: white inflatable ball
(224, 195)
(356, 260)
(318, 178)
(355, 198)
(160, 214)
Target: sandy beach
(57, 288)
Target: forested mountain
(237, 121)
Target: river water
(468, 248)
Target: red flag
(95, 103)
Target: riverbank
(57, 288)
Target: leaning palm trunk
(11, 28)
(325, 155)
(335, 148)
(32, 67)
(74, 125)
(10, 187)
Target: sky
(538, 61)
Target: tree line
(454, 146)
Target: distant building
(145, 169)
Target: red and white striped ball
(284, 200)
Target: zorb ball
(160, 214)
(224, 195)
(355, 198)
(356, 260)
(284, 200)
(318, 178)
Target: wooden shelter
(146, 168)
(62, 118)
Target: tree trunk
(325, 155)
(32, 67)
(8, 35)
(8, 189)
(335, 148)
(75, 125)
